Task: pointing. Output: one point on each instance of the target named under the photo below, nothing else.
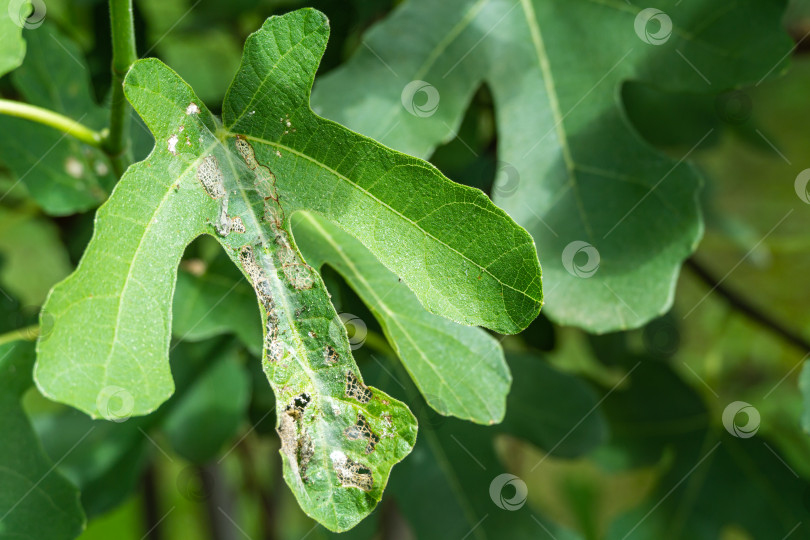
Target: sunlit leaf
(12, 46)
(240, 181)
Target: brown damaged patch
(296, 444)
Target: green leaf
(433, 350)
(105, 460)
(553, 410)
(339, 437)
(35, 501)
(210, 412)
(12, 47)
(33, 256)
(711, 479)
(240, 183)
(215, 300)
(62, 174)
(573, 170)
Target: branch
(124, 55)
(747, 309)
(149, 496)
(51, 119)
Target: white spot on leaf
(74, 167)
(101, 168)
(172, 144)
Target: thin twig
(743, 306)
(151, 514)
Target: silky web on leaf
(210, 176)
(352, 473)
(328, 442)
(296, 443)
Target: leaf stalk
(28, 333)
(52, 119)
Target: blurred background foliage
(614, 435)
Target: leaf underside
(12, 46)
(240, 182)
(460, 370)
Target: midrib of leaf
(394, 211)
(256, 226)
(315, 381)
(270, 72)
(298, 343)
(554, 104)
(378, 303)
(136, 253)
(470, 14)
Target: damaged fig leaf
(463, 257)
(613, 218)
(240, 181)
(460, 370)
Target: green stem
(28, 333)
(124, 55)
(51, 119)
